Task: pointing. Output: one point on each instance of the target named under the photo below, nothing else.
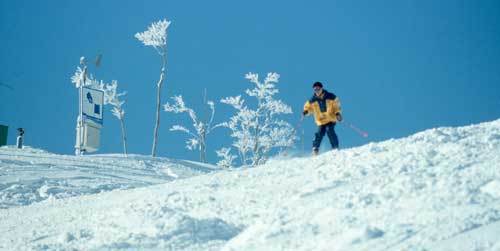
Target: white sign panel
(90, 140)
(93, 101)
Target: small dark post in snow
(20, 138)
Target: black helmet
(318, 84)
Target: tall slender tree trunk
(158, 106)
(256, 149)
(203, 136)
(202, 153)
(124, 136)
(203, 147)
(242, 157)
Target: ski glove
(339, 117)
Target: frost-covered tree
(256, 132)
(156, 36)
(198, 136)
(112, 97)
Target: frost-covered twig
(113, 98)
(81, 78)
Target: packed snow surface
(435, 190)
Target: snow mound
(435, 190)
(32, 175)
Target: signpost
(89, 128)
(90, 119)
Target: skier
(325, 107)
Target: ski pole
(357, 130)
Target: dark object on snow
(19, 142)
(3, 134)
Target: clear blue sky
(398, 66)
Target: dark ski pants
(329, 129)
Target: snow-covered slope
(32, 175)
(435, 190)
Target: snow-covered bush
(156, 36)
(201, 128)
(256, 132)
(227, 158)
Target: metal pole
(80, 120)
(356, 129)
(80, 129)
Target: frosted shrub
(198, 136)
(256, 132)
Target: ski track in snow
(435, 190)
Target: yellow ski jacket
(324, 107)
